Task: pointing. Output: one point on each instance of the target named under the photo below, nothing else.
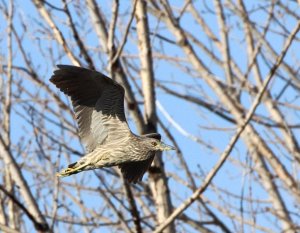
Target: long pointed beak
(164, 146)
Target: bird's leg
(72, 169)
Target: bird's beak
(164, 146)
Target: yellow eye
(154, 143)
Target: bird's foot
(66, 172)
(72, 169)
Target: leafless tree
(218, 79)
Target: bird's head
(156, 145)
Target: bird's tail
(72, 169)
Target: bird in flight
(98, 104)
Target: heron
(98, 104)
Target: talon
(66, 172)
(69, 171)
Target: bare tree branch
(226, 153)
(192, 71)
(159, 183)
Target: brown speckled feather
(134, 171)
(98, 103)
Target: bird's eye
(154, 143)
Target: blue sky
(193, 119)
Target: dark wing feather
(98, 103)
(134, 171)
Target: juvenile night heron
(98, 103)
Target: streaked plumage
(98, 104)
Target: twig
(7, 229)
(133, 208)
(77, 37)
(57, 33)
(224, 41)
(158, 181)
(24, 189)
(37, 225)
(118, 53)
(111, 37)
(114, 209)
(7, 116)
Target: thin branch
(225, 44)
(77, 37)
(111, 38)
(57, 33)
(38, 225)
(120, 50)
(159, 183)
(133, 208)
(23, 186)
(6, 229)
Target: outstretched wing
(134, 171)
(98, 103)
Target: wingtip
(63, 66)
(62, 70)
